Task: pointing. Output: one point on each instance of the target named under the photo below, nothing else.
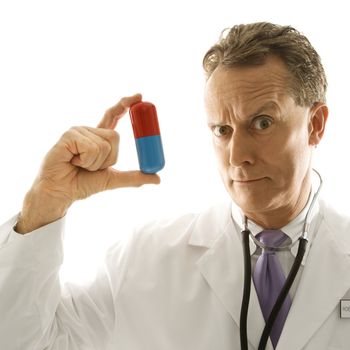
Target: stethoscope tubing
(303, 241)
(246, 290)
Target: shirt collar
(293, 229)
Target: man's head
(251, 44)
(265, 98)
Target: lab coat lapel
(324, 282)
(222, 267)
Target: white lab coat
(174, 285)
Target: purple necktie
(269, 279)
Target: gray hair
(250, 44)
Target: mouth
(250, 181)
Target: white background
(62, 63)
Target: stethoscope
(303, 240)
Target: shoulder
(163, 245)
(172, 234)
(337, 221)
(179, 229)
(160, 236)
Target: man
(178, 284)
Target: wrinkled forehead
(248, 86)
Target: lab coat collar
(219, 219)
(222, 267)
(293, 229)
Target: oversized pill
(148, 141)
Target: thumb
(117, 179)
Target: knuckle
(113, 136)
(95, 148)
(105, 147)
(70, 130)
(69, 133)
(81, 128)
(90, 153)
(86, 158)
(123, 101)
(74, 130)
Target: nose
(241, 149)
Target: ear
(317, 122)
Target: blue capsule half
(150, 154)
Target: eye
(262, 122)
(221, 130)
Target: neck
(281, 216)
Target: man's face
(260, 136)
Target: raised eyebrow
(267, 106)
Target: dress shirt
(293, 230)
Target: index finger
(113, 114)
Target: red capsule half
(148, 141)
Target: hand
(79, 165)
